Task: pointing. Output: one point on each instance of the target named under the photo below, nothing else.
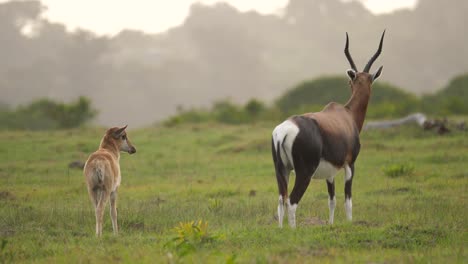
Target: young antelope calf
(102, 174)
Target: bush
(189, 116)
(46, 114)
(229, 113)
(254, 108)
(315, 92)
(191, 236)
(226, 112)
(450, 100)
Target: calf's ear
(119, 131)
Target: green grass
(224, 175)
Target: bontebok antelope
(317, 145)
(102, 174)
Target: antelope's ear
(119, 131)
(351, 74)
(377, 74)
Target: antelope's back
(101, 169)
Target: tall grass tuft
(397, 170)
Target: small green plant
(214, 205)
(191, 235)
(397, 170)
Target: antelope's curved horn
(348, 56)
(376, 55)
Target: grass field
(409, 200)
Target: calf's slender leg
(102, 196)
(113, 211)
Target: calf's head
(120, 137)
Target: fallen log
(420, 119)
(417, 118)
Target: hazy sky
(111, 16)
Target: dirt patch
(364, 223)
(136, 226)
(402, 190)
(7, 232)
(313, 221)
(318, 252)
(77, 164)
(157, 200)
(6, 195)
(393, 191)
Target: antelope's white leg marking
(291, 214)
(331, 206)
(349, 209)
(280, 211)
(284, 134)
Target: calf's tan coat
(102, 174)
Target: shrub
(189, 116)
(254, 108)
(190, 236)
(450, 99)
(315, 92)
(224, 111)
(229, 113)
(47, 114)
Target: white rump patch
(325, 170)
(289, 130)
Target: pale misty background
(213, 51)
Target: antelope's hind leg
(282, 177)
(283, 200)
(113, 211)
(331, 200)
(102, 195)
(349, 174)
(301, 183)
(94, 195)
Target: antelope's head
(362, 81)
(120, 137)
